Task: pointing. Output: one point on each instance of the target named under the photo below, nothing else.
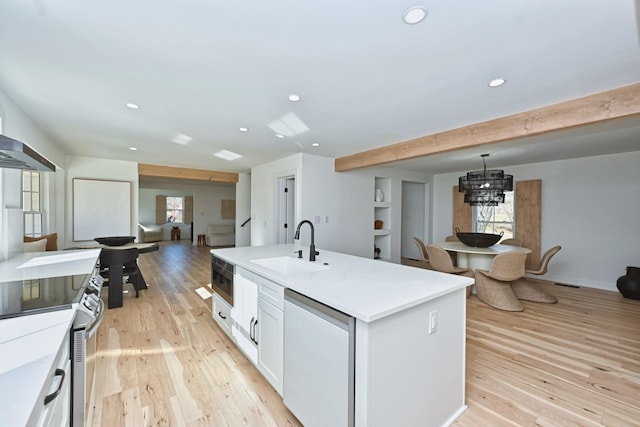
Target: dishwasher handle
(323, 311)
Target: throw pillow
(52, 240)
(35, 246)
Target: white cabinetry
(245, 312)
(54, 403)
(270, 332)
(255, 322)
(221, 313)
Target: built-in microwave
(222, 278)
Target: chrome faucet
(312, 248)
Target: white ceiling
(204, 68)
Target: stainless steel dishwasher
(319, 352)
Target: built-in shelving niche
(382, 212)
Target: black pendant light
(485, 187)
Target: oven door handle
(96, 323)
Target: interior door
(285, 209)
(413, 218)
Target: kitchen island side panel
(407, 376)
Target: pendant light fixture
(485, 187)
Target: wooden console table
(175, 234)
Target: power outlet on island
(433, 322)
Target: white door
(413, 218)
(285, 209)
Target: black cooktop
(33, 296)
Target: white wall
(92, 168)
(263, 195)
(345, 199)
(589, 206)
(17, 125)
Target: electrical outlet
(316, 219)
(326, 219)
(433, 322)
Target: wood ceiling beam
(612, 104)
(145, 169)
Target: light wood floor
(163, 361)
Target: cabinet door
(245, 302)
(222, 313)
(245, 313)
(270, 343)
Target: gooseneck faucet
(312, 248)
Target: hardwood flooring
(163, 361)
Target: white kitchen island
(409, 328)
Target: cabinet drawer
(221, 312)
(271, 292)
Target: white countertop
(28, 348)
(29, 344)
(48, 264)
(364, 288)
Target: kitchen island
(409, 357)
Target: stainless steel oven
(88, 318)
(222, 278)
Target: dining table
(142, 249)
(478, 258)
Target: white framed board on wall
(101, 208)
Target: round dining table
(478, 258)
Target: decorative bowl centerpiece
(115, 240)
(478, 240)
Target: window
(32, 203)
(496, 219)
(30, 290)
(175, 209)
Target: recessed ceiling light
(133, 149)
(497, 82)
(294, 98)
(227, 155)
(414, 15)
(132, 105)
(279, 136)
(315, 144)
(243, 129)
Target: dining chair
(494, 287)
(119, 266)
(441, 261)
(528, 290)
(424, 255)
(512, 242)
(452, 254)
(541, 268)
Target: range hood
(17, 155)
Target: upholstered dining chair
(424, 255)
(528, 290)
(494, 286)
(441, 261)
(512, 242)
